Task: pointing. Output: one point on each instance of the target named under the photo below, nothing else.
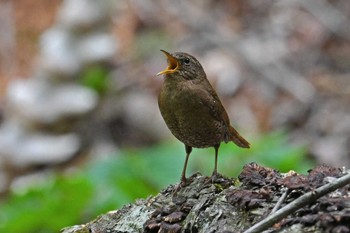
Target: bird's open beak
(173, 64)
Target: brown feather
(238, 139)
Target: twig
(280, 201)
(305, 199)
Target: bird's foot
(184, 182)
(216, 178)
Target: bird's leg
(215, 172)
(183, 176)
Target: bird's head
(182, 65)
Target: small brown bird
(191, 108)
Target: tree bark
(228, 205)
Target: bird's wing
(208, 97)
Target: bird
(192, 110)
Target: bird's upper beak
(173, 64)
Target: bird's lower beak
(173, 64)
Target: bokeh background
(80, 129)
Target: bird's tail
(238, 139)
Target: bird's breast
(188, 118)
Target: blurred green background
(106, 184)
(80, 129)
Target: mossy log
(233, 205)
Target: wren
(192, 110)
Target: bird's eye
(187, 61)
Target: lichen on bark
(228, 205)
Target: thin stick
(280, 201)
(305, 199)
